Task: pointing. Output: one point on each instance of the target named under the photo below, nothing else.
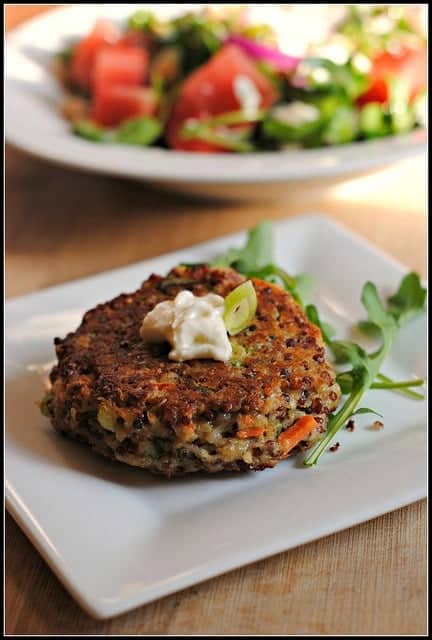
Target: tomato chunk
(103, 34)
(137, 38)
(120, 65)
(408, 64)
(209, 91)
(118, 77)
(116, 103)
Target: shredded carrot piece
(252, 432)
(300, 430)
(245, 422)
(186, 432)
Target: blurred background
(60, 222)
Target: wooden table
(370, 579)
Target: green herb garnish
(89, 130)
(256, 259)
(218, 135)
(365, 374)
(215, 129)
(136, 131)
(239, 308)
(343, 127)
(256, 253)
(43, 405)
(328, 332)
(139, 131)
(141, 20)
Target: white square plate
(117, 537)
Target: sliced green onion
(139, 131)
(227, 118)
(235, 117)
(226, 139)
(240, 307)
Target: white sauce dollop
(295, 113)
(193, 325)
(247, 94)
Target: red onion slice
(281, 61)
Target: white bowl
(34, 124)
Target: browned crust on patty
(278, 373)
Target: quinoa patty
(129, 402)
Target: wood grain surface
(370, 579)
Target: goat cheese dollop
(295, 113)
(193, 325)
(248, 95)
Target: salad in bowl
(217, 80)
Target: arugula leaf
(366, 410)
(255, 260)
(402, 386)
(377, 314)
(338, 419)
(305, 286)
(405, 304)
(368, 328)
(326, 329)
(256, 254)
(409, 300)
(345, 381)
(345, 351)
(300, 287)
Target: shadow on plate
(42, 57)
(22, 87)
